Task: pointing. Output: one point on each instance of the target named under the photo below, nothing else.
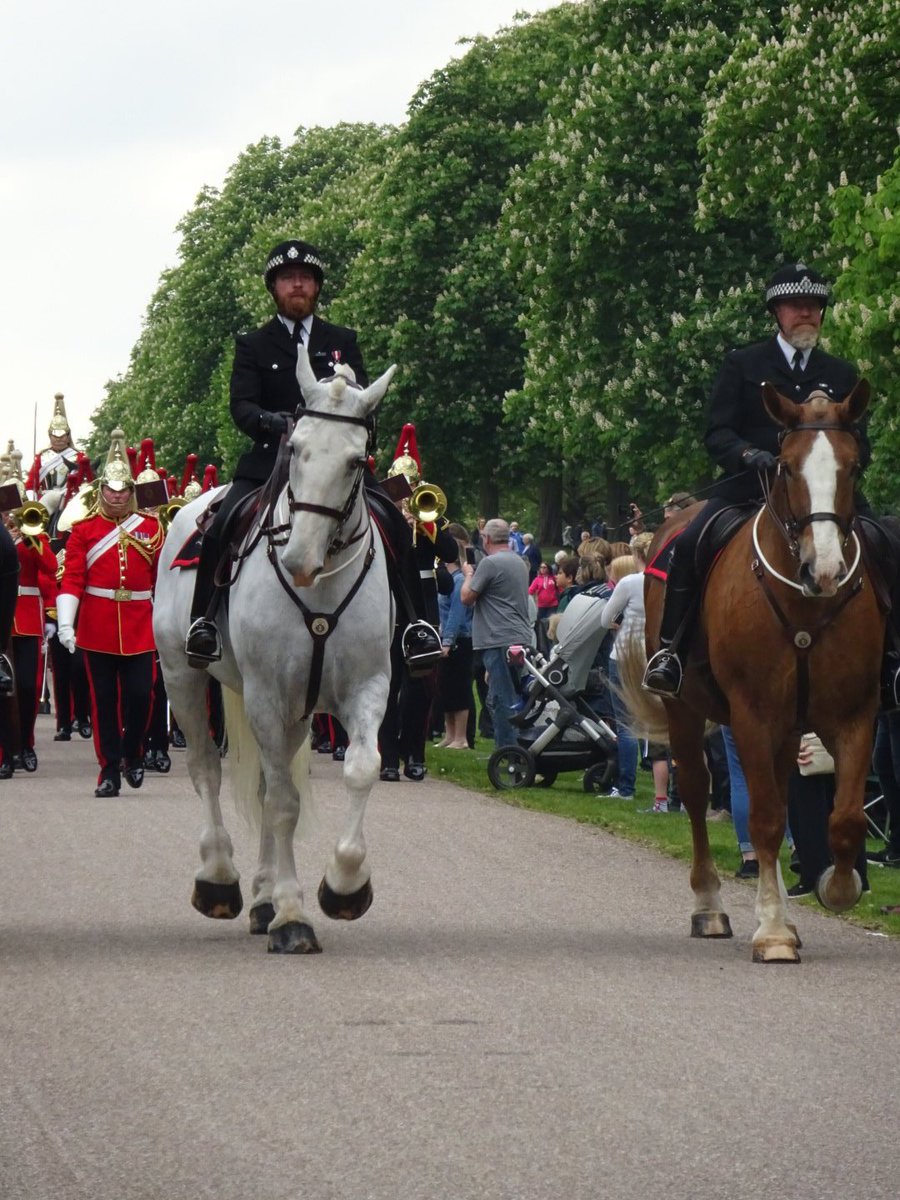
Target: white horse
(308, 629)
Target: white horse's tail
(246, 771)
(648, 713)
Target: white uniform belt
(427, 574)
(29, 591)
(118, 593)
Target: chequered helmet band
(294, 258)
(799, 287)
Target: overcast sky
(115, 115)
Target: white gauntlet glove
(66, 611)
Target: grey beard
(803, 339)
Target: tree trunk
(549, 530)
(488, 498)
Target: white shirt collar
(289, 326)
(789, 351)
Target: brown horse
(789, 639)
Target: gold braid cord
(146, 547)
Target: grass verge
(669, 833)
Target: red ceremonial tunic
(119, 622)
(37, 585)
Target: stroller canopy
(578, 637)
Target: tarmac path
(521, 1016)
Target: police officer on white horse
(264, 396)
(743, 440)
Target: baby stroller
(559, 731)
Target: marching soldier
(107, 584)
(37, 594)
(50, 471)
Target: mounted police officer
(743, 439)
(264, 396)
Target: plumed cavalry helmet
(59, 425)
(147, 472)
(294, 253)
(796, 281)
(117, 472)
(406, 457)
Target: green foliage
(621, 289)
(866, 320)
(560, 244)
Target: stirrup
(7, 677)
(203, 645)
(890, 683)
(421, 647)
(664, 674)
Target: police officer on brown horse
(743, 440)
(264, 396)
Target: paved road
(520, 1015)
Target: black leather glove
(758, 460)
(270, 422)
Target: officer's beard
(804, 338)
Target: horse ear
(854, 405)
(780, 408)
(305, 375)
(374, 393)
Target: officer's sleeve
(246, 388)
(722, 439)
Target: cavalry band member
(36, 594)
(743, 439)
(264, 396)
(107, 583)
(50, 471)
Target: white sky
(116, 114)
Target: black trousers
(28, 664)
(810, 803)
(158, 728)
(121, 694)
(70, 686)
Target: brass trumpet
(166, 512)
(427, 503)
(31, 519)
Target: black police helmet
(796, 281)
(294, 254)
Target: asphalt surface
(521, 1014)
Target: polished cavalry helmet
(796, 281)
(116, 473)
(294, 253)
(59, 425)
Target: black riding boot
(665, 669)
(203, 645)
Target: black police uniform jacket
(264, 379)
(738, 419)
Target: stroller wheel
(511, 767)
(599, 777)
(545, 779)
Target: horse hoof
(261, 917)
(345, 908)
(294, 937)
(770, 951)
(834, 898)
(793, 929)
(220, 901)
(710, 925)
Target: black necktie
(797, 362)
(297, 335)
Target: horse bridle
(321, 625)
(792, 526)
(341, 515)
(803, 639)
